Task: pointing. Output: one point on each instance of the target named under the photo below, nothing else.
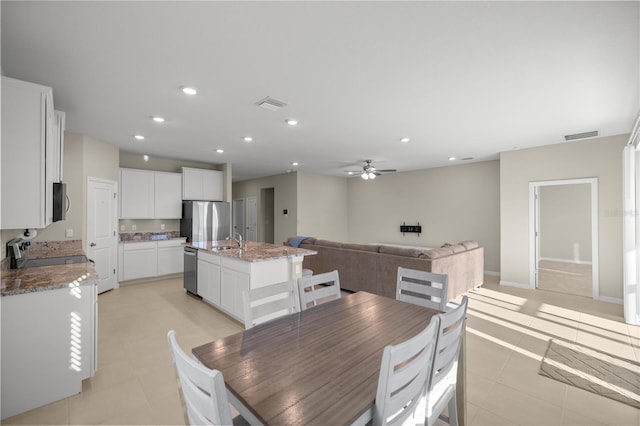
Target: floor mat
(593, 371)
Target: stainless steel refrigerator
(205, 220)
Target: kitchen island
(49, 336)
(226, 270)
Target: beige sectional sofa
(373, 267)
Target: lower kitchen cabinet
(170, 257)
(209, 277)
(148, 259)
(49, 345)
(140, 260)
(235, 283)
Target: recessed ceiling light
(452, 158)
(145, 157)
(295, 163)
(157, 119)
(404, 140)
(247, 139)
(188, 90)
(292, 122)
(219, 151)
(139, 137)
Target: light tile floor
(507, 334)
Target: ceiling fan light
(365, 176)
(372, 175)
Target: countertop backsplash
(148, 236)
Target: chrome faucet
(239, 239)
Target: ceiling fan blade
(387, 171)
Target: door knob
(92, 244)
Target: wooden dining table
(316, 367)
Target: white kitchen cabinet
(136, 194)
(49, 351)
(148, 259)
(167, 196)
(209, 277)
(202, 184)
(146, 194)
(28, 155)
(140, 260)
(235, 282)
(170, 257)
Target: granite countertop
(251, 251)
(42, 278)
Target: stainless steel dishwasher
(191, 270)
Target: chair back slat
(314, 288)
(422, 288)
(442, 383)
(203, 389)
(266, 303)
(404, 375)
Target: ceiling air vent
(584, 135)
(271, 104)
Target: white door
(238, 217)
(102, 241)
(252, 219)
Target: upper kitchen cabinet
(30, 154)
(202, 184)
(136, 194)
(58, 135)
(146, 194)
(168, 196)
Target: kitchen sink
(50, 261)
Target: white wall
(322, 206)
(451, 203)
(600, 158)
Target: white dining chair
(404, 376)
(442, 383)
(422, 288)
(313, 288)
(203, 390)
(266, 303)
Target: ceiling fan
(369, 171)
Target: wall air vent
(584, 135)
(271, 104)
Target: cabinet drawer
(208, 257)
(170, 243)
(140, 246)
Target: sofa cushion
(400, 251)
(456, 248)
(362, 247)
(438, 252)
(327, 243)
(470, 244)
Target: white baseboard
(515, 284)
(576, 262)
(492, 273)
(616, 300)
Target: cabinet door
(191, 184)
(168, 196)
(58, 138)
(140, 260)
(212, 185)
(136, 194)
(170, 260)
(26, 201)
(209, 282)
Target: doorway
(102, 242)
(268, 214)
(563, 233)
(251, 204)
